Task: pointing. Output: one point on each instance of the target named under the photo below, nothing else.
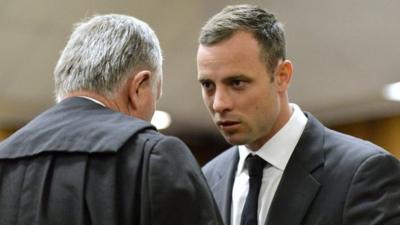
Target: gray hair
(103, 51)
(264, 26)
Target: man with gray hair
(286, 168)
(94, 158)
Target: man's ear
(283, 75)
(137, 86)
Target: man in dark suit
(94, 158)
(286, 168)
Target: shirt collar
(93, 100)
(277, 150)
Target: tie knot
(255, 165)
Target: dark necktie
(255, 166)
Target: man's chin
(234, 139)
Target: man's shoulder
(351, 146)
(157, 141)
(74, 125)
(335, 144)
(348, 155)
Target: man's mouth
(227, 125)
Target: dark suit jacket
(81, 163)
(331, 178)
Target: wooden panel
(4, 133)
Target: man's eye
(207, 85)
(237, 83)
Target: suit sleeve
(179, 194)
(374, 195)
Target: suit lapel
(295, 193)
(222, 189)
(298, 187)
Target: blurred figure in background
(94, 158)
(286, 168)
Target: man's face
(241, 97)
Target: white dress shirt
(276, 152)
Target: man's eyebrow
(201, 79)
(237, 76)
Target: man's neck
(107, 102)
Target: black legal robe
(80, 163)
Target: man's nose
(222, 101)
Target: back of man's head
(102, 51)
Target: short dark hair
(264, 26)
